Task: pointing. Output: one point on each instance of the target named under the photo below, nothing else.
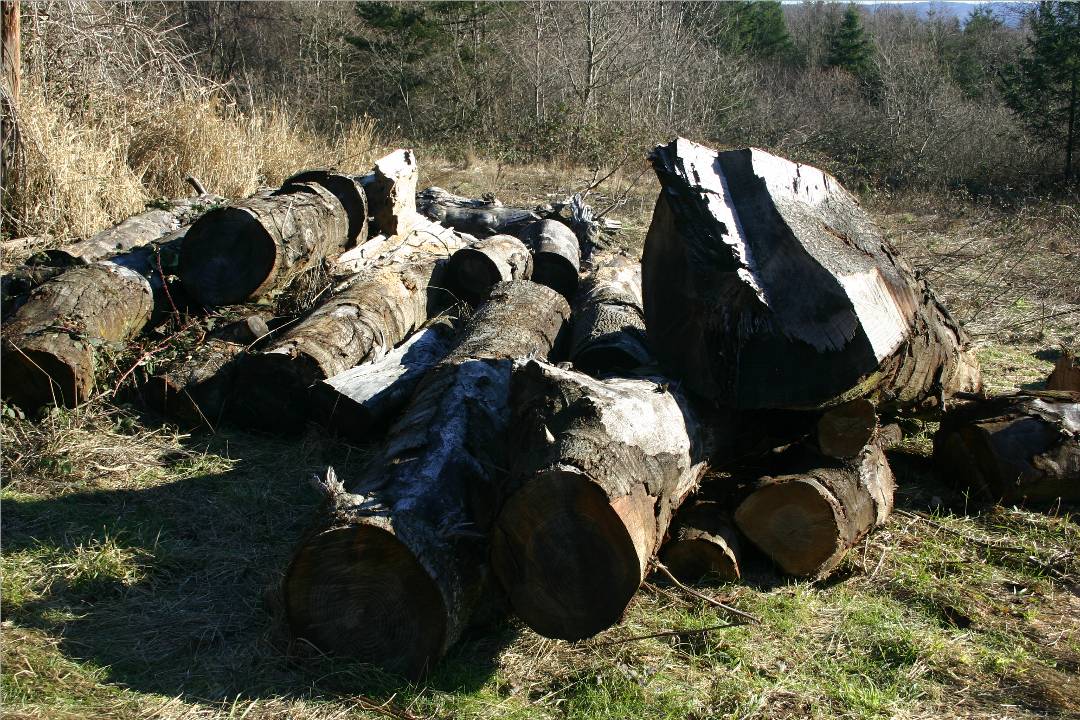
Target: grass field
(140, 564)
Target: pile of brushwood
(547, 405)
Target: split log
(843, 431)
(599, 467)
(50, 345)
(609, 323)
(807, 518)
(196, 388)
(368, 397)
(704, 543)
(1066, 373)
(244, 251)
(475, 269)
(1013, 448)
(391, 193)
(382, 306)
(398, 567)
(767, 286)
(476, 217)
(556, 255)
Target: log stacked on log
(557, 257)
(396, 568)
(767, 286)
(599, 467)
(1013, 448)
(475, 217)
(704, 543)
(609, 323)
(478, 267)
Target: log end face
(565, 557)
(794, 522)
(697, 559)
(474, 272)
(227, 257)
(556, 272)
(34, 378)
(357, 591)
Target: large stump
(391, 192)
(609, 323)
(767, 286)
(1013, 448)
(394, 571)
(599, 466)
(51, 344)
(244, 251)
(813, 510)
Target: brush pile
(551, 418)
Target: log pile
(724, 404)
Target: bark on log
(609, 323)
(382, 307)
(843, 431)
(807, 518)
(599, 466)
(51, 343)
(244, 251)
(475, 269)
(767, 286)
(366, 399)
(556, 255)
(476, 217)
(396, 570)
(1066, 373)
(391, 193)
(195, 389)
(704, 543)
(350, 193)
(1013, 448)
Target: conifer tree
(849, 48)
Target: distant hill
(1010, 12)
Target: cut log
(195, 389)
(556, 255)
(1013, 448)
(599, 466)
(704, 543)
(396, 569)
(242, 252)
(366, 399)
(1066, 373)
(50, 345)
(476, 217)
(843, 431)
(808, 517)
(384, 305)
(767, 286)
(349, 192)
(477, 268)
(609, 324)
(391, 193)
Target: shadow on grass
(173, 588)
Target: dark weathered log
(367, 398)
(599, 466)
(195, 389)
(1066, 373)
(250, 249)
(139, 230)
(391, 193)
(808, 515)
(391, 299)
(396, 569)
(1013, 448)
(556, 255)
(476, 217)
(704, 543)
(609, 324)
(51, 343)
(767, 286)
(483, 264)
(843, 431)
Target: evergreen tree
(1044, 87)
(849, 48)
(754, 28)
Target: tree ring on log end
(795, 522)
(564, 556)
(358, 591)
(227, 257)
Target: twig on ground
(669, 633)
(701, 596)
